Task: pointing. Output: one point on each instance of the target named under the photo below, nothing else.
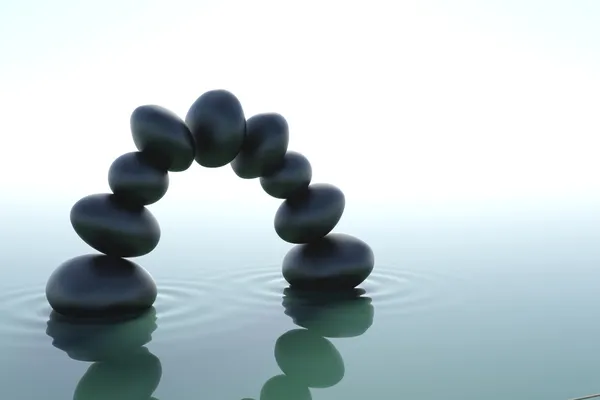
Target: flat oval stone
(336, 262)
(135, 180)
(100, 286)
(293, 175)
(218, 126)
(330, 313)
(310, 214)
(309, 359)
(94, 339)
(282, 387)
(114, 228)
(164, 136)
(265, 144)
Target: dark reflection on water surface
(122, 367)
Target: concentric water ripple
(184, 309)
(398, 290)
(196, 308)
(393, 290)
(192, 309)
(24, 314)
(256, 289)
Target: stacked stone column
(215, 133)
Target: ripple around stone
(399, 291)
(23, 316)
(192, 309)
(394, 290)
(228, 301)
(257, 288)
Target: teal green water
(459, 308)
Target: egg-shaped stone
(100, 286)
(135, 180)
(163, 136)
(114, 228)
(291, 176)
(310, 214)
(335, 262)
(265, 144)
(218, 126)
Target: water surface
(492, 307)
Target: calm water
(491, 306)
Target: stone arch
(215, 133)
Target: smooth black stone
(336, 262)
(114, 228)
(100, 286)
(283, 387)
(332, 314)
(100, 339)
(134, 377)
(265, 144)
(218, 126)
(293, 175)
(164, 136)
(309, 359)
(134, 179)
(310, 214)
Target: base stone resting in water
(215, 133)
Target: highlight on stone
(215, 133)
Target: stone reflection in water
(306, 358)
(123, 368)
(338, 314)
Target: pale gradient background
(464, 134)
(423, 103)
